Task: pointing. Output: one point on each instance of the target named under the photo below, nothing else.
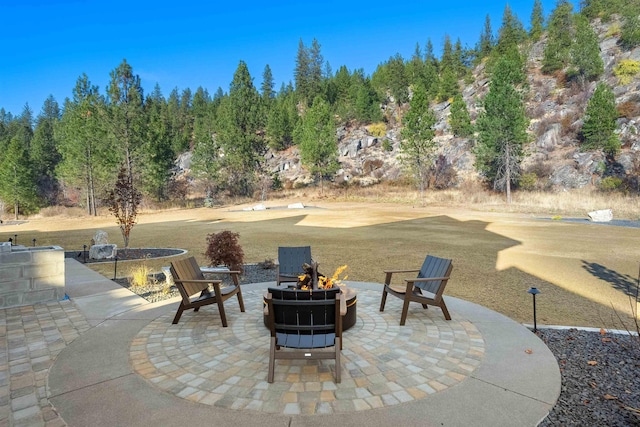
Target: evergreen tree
(585, 52)
(157, 154)
(449, 86)
(556, 53)
(267, 84)
(316, 137)
(398, 82)
(630, 31)
(367, 104)
(87, 157)
(600, 122)
(415, 67)
(486, 43)
(418, 146)
(238, 125)
(316, 63)
(17, 178)
(44, 148)
(124, 112)
(537, 21)
(178, 123)
(510, 34)
(460, 120)
(206, 164)
(502, 130)
(302, 71)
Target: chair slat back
(188, 269)
(291, 258)
(434, 267)
(304, 312)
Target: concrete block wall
(31, 275)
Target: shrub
(223, 248)
(626, 70)
(139, 275)
(378, 129)
(610, 183)
(528, 181)
(386, 145)
(614, 30)
(628, 109)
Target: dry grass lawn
(581, 269)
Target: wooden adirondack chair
(426, 289)
(194, 288)
(310, 323)
(290, 261)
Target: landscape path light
(534, 292)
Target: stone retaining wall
(31, 275)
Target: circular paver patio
(383, 364)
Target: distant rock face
(554, 105)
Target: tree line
(73, 154)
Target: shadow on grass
(622, 282)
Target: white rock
(603, 215)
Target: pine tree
(398, 81)
(317, 140)
(537, 21)
(630, 31)
(600, 122)
(460, 120)
(238, 123)
(17, 180)
(585, 52)
(124, 113)
(556, 53)
(302, 72)
(157, 154)
(486, 43)
(267, 84)
(502, 130)
(44, 149)
(418, 145)
(88, 159)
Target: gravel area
(600, 384)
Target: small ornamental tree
(123, 202)
(223, 248)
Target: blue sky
(48, 44)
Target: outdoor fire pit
(312, 282)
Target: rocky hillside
(556, 110)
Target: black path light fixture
(84, 253)
(34, 242)
(534, 292)
(15, 239)
(115, 268)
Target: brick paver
(31, 337)
(383, 364)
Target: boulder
(603, 215)
(296, 206)
(107, 251)
(101, 238)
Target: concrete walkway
(112, 358)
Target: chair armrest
(267, 296)
(401, 271)
(197, 281)
(426, 279)
(343, 304)
(389, 273)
